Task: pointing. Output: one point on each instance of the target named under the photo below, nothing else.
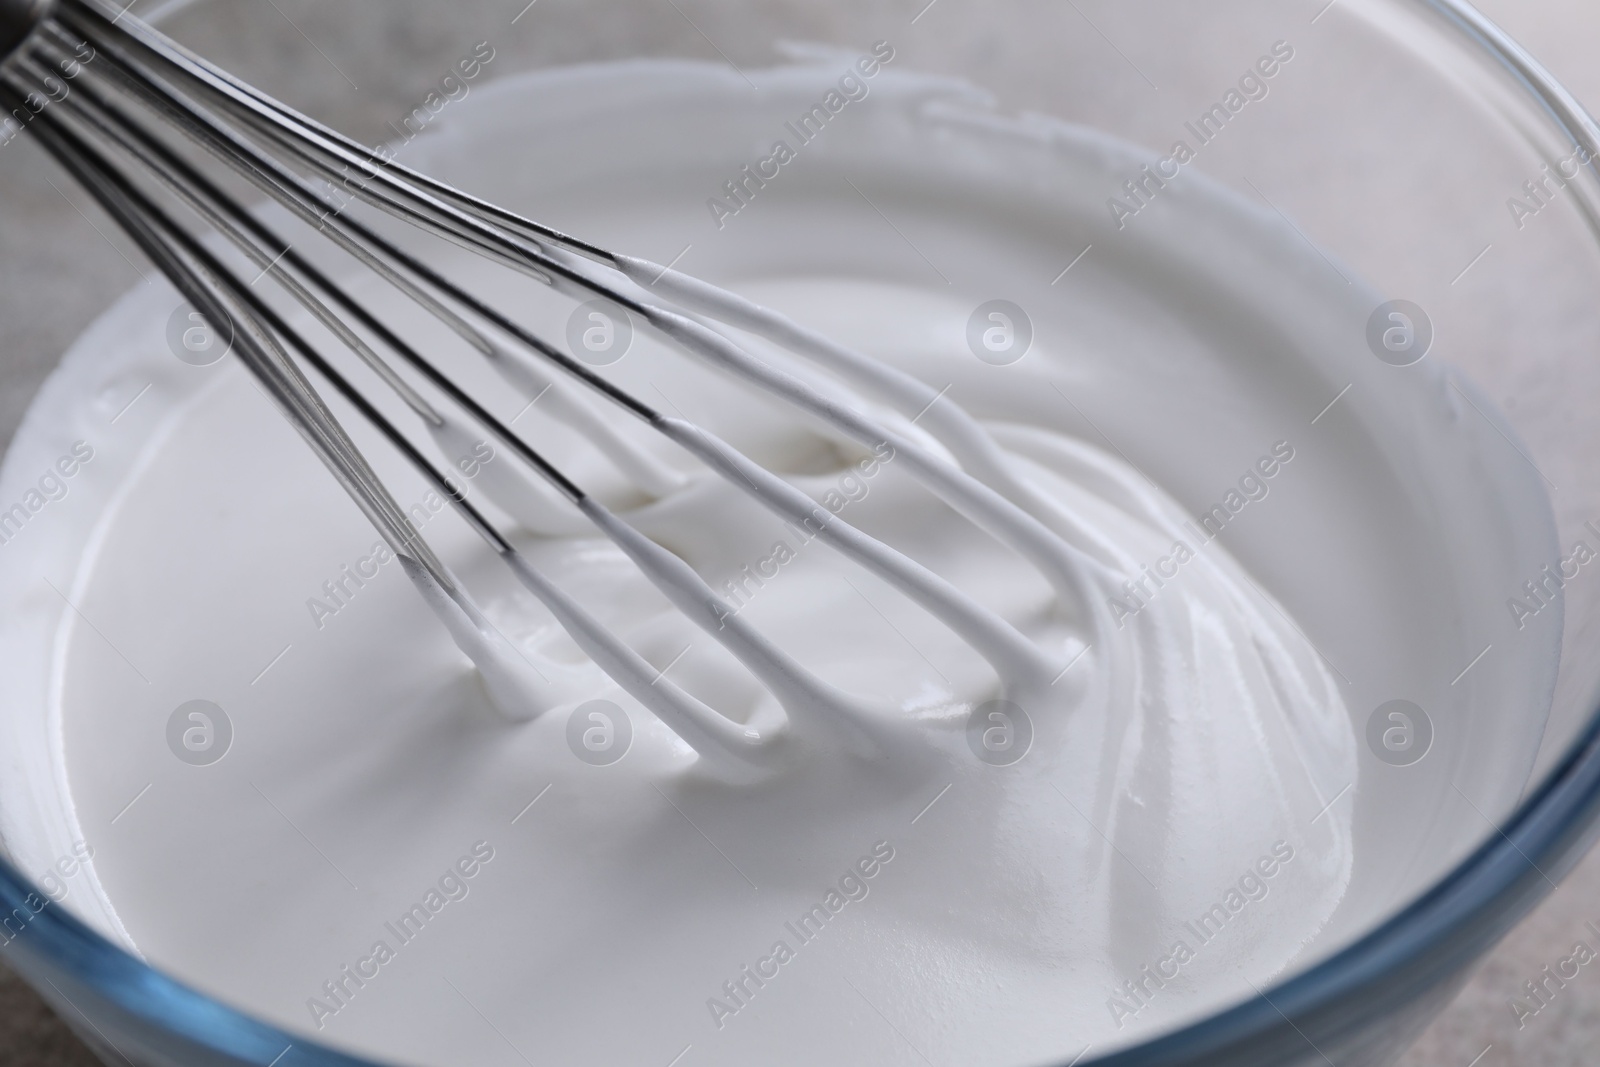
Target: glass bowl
(1413, 145)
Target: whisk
(117, 104)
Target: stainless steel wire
(123, 109)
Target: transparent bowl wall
(1393, 146)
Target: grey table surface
(1479, 1029)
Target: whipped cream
(1065, 796)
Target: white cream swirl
(1186, 736)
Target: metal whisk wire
(126, 74)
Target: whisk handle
(17, 20)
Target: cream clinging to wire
(136, 97)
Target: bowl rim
(1404, 962)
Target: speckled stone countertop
(1480, 1029)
